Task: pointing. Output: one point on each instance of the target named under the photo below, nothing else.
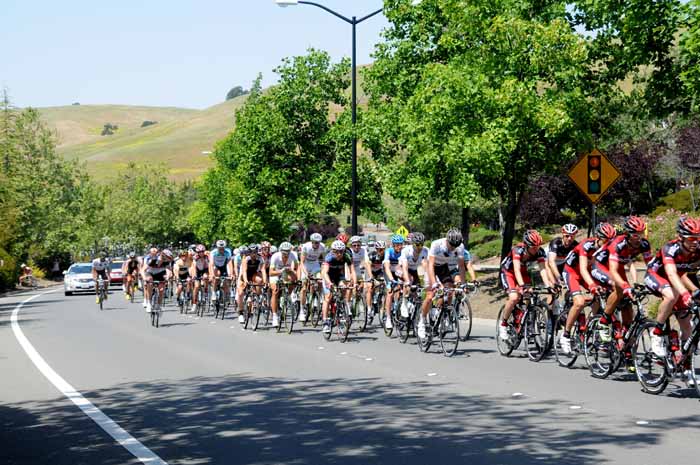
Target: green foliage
(662, 227)
(236, 92)
(437, 217)
(285, 162)
(690, 55)
(679, 202)
(109, 129)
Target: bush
(486, 250)
(679, 201)
(109, 129)
(8, 272)
(148, 123)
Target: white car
(78, 278)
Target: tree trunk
(466, 225)
(511, 215)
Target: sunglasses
(691, 238)
(635, 236)
(568, 236)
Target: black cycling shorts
(444, 273)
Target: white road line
(138, 450)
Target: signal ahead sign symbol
(594, 174)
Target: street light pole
(354, 21)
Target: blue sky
(182, 53)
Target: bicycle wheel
(448, 330)
(405, 323)
(565, 360)
(694, 375)
(314, 309)
(388, 331)
(257, 310)
(360, 314)
(332, 311)
(101, 298)
(248, 304)
(283, 303)
(599, 354)
(292, 315)
(465, 318)
(506, 346)
(158, 317)
(343, 321)
(652, 371)
(537, 332)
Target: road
(199, 391)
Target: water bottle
(581, 322)
(675, 343)
(433, 313)
(518, 316)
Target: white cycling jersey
(277, 262)
(443, 256)
(313, 257)
(359, 258)
(408, 254)
(99, 265)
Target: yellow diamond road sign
(402, 231)
(594, 174)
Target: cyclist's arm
(431, 270)
(689, 284)
(552, 266)
(324, 275)
(615, 275)
(673, 278)
(231, 269)
(244, 270)
(470, 269)
(517, 272)
(353, 276)
(460, 265)
(404, 268)
(583, 269)
(633, 273)
(545, 275)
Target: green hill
(177, 140)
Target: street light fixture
(354, 21)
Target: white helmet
(285, 247)
(273, 249)
(221, 243)
(355, 239)
(338, 245)
(316, 237)
(569, 229)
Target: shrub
(148, 123)
(679, 201)
(662, 227)
(8, 272)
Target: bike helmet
(569, 229)
(167, 253)
(532, 238)
(342, 237)
(132, 254)
(454, 237)
(380, 245)
(220, 243)
(397, 239)
(200, 248)
(418, 238)
(192, 247)
(605, 231)
(273, 249)
(265, 244)
(355, 240)
(285, 247)
(316, 237)
(410, 238)
(634, 224)
(243, 250)
(253, 248)
(338, 245)
(688, 226)
(182, 253)
(103, 254)
(236, 251)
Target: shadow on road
(242, 419)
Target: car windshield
(75, 269)
(117, 265)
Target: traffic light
(594, 174)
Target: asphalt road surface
(199, 391)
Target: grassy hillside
(178, 139)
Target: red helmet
(532, 238)
(605, 231)
(635, 224)
(688, 226)
(342, 237)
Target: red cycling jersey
(621, 252)
(672, 253)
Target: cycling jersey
(519, 252)
(312, 255)
(132, 266)
(100, 265)
(619, 251)
(376, 260)
(277, 261)
(155, 265)
(391, 257)
(586, 248)
(358, 258)
(409, 256)
(253, 266)
(561, 251)
(183, 270)
(220, 259)
(336, 266)
(672, 253)
(443, 256)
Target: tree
(476, 98)
(236, 92)
(690, 55)
(286, 161)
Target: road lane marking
(642, 422)
(432, 374)
(138, 450)
(575, 407)
(517, 394)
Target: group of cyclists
(576, 271)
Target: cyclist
(199, 270)
(100, 267)
(182, 272)
(252, 270)
(559, 249)
(336, 266)
(514, 276)
(392, 274)
(609, 270)
(376, 260)
(311, 255)
(413, 256)
(666, 277)
(577, 276)
(361, 265)
(155, 269)
(445, 268)
(221, 266)
(283, 267)
(265, 254)
(130, 270)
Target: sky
(181, 53)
